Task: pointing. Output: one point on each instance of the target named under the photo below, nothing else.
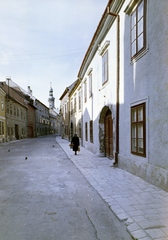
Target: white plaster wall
(76, 117)
(102, 95)
(146, 81)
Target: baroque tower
(51, 98)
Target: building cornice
(75, 87)
(102, 29)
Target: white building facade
(124, 88)
(75, 100)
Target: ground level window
(86, 131)
(138, 130)
(91, 131)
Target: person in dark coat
(76, 143)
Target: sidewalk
(142, 206)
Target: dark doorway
(108, 126)
(16, 131)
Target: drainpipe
(118, 83)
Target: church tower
(51, 98)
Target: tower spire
(51, 98)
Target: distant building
(67, 127)
(42, 119)
(16, 113)
(55, 119)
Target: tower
(51, 98)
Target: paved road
(43, 196)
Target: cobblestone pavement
(142, 206)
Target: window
(138, 130)
(65, 108)
(2, 105)
(21, 114)
(74, 104)
(91, 131)
(10, 108)
(86, 132)
(85, 91)
(2, 128)
(105, 67)
(90, 85)
(7, 110)
(71, 108)
(79, 100)
(15, 111)
(138, 29)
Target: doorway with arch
(106, 132)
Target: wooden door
(108, 135)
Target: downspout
(117, 84)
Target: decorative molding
(89, 71)
(104, 47)
(141, 54)
(130, 7)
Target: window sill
(139, 55)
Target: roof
(78, 81)
(67, 89)
(12, 94)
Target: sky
(43, 42)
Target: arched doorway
(108, 138)
(106, 132)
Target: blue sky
(45, 41)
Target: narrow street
(43, 196)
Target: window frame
(135, 126)
(90, 85)
(72, 107)
(91, 131)
(105, 67)
(75, 104)
(85, 91)
(136, 40)
(79, 100)
(86, 131)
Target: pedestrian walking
(76, 143)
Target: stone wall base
(150, 173)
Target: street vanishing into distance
(43, 196)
